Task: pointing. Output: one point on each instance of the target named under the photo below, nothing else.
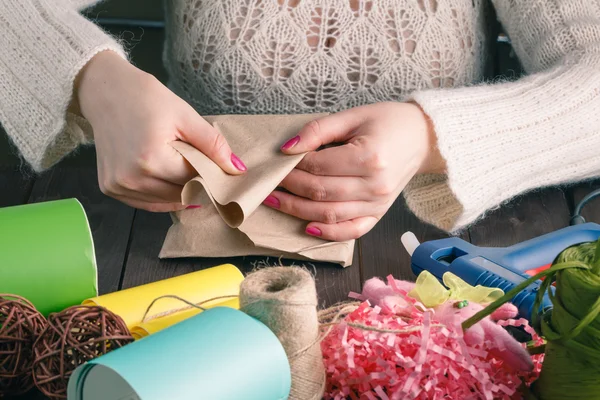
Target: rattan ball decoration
(20, 326)
(72, 337)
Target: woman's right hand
(135, 118)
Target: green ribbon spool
(47, 254)
(571, 368)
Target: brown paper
(232, 220)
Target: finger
(150, 190)
(172, 168)
(332, 128)
(345, 160)
(149, 206)
(204, 137)
(326, 212)
(346, 230)
(325, 188)
(166, 191)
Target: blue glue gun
(502, 268)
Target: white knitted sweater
(295, 56)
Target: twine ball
(285, 300)
(20, 326)
(72, 337)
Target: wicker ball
(20, 326)
(72, 337)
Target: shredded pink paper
(433, 362)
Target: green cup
(47, 254)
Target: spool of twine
(571, 368)
(285, 300)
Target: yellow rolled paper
(196, 287)
(154, 325)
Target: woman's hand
(345, 190)
(135, 118)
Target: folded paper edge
(344, 263)
(303, 255)
(231, 222)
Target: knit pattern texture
(43, 45)
(294, 56)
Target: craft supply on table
(72, 337)
(221, 283)
(153, 325)
(285, 300)
(232, 220)
(393, 346)
(571, 368)
(503, 268)
(47, 254)
(20, 326)
(221, 353)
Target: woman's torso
(299, 56)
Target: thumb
(332, 128)
(204, 137)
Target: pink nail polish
(272, 202)
(235, 160)
(290, 143)
(193, 207)
(311, 230)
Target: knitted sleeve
(43, 46)
(500, 140)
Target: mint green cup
(47, 254)
(219, 354)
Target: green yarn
(571, 368)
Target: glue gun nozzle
(410, 242)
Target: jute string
(285, 300)
(198, 305)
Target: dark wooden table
(128, 241)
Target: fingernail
(312, 231)
(235, 160)
(290, 143)
(192, 207)
(272, 201)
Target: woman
(398, 73)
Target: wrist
(433, 162)
(93, 80)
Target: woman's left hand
(344, 190)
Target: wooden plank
(591, 211)
(382, 250)
(334, 282)
(138, 9)
(32, 395)
(110, 220)
(8, 152)
(508, 66)
(525, 217)
(15, 187)
(144, 266)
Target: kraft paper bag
(232, 220)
